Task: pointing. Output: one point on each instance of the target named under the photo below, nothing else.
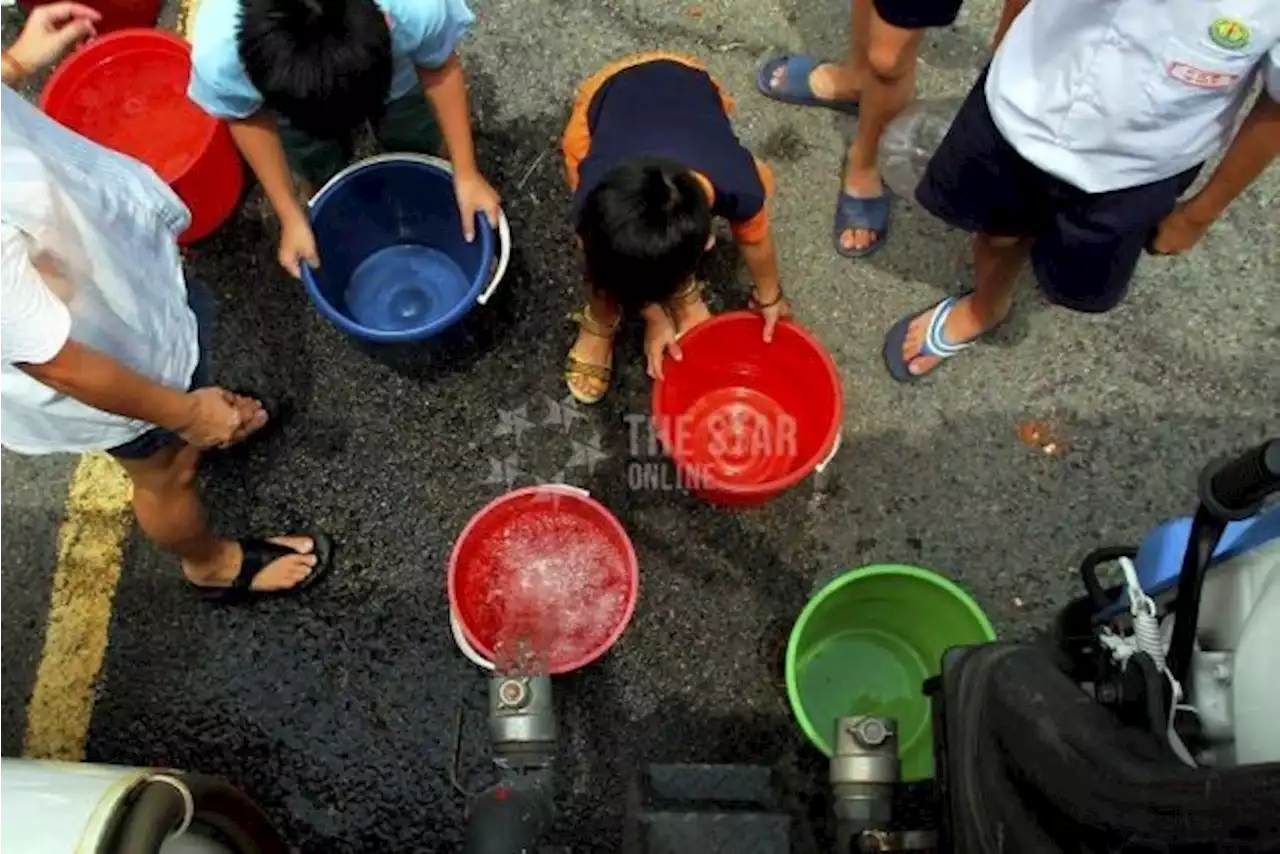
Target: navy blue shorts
(1086, 244)
(157, 439)
(917, 14)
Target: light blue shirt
(1108, 95)
(90, 254)
(424, 34)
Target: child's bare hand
(659, 340)
(476, 196)
(297, 246)
(772, 314)
(51, 30)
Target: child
(1073, 149)
(295, 78)
(875, 82)
(651, 156)
(104, 342)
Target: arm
(97, 380)
(259, 141)
(1254, 147)
(762, 262)
(1007, 15)
(446, 89)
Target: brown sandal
(582, 369)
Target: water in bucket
(558, 587)
(400, 287)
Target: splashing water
(557, 590)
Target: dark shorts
(918, 14)
(157, 439)
(1086, 244)
(407, 124)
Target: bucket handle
(503, 230)
(468, 651)
(504, 258)
(821, 467)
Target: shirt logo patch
(1201, 78)
(1229, 33)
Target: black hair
(324, 65)
(643, 229)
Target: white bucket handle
(503, 232)
(468, 651)
(821, 467)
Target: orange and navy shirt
(664, 105)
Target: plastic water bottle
(910, 141)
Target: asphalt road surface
(336, 710)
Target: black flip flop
(257, 555)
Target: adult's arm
(97, 380)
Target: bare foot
(688, 314)
(592, 350)
(861, 184)
(280, 574)
(828, 81)
(969, 319)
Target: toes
(300, 544)
(284, 573)
(922, 365)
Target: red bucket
(744, 420)
(547, 569)
(116, 14)
(128, 92)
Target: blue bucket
(394, 265)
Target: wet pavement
(335, 710)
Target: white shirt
(1109, 94)
(89, 254)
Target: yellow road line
(90, 548)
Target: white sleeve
(34, 324)
(1271, 72)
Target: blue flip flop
(853, 212)
(934, 343)
(795, 84)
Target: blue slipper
(795, 83)
(934, 343)
(853, 212)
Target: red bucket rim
(629, 555)
(79, 60)
(802, 470)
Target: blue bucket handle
(499, 268)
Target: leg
(313, 161)
(590, 363)
(688, 308)
(996, 264)
(409, 125)
(170, 513)
(978, 182)
(887, 89)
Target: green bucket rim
(840, 581)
